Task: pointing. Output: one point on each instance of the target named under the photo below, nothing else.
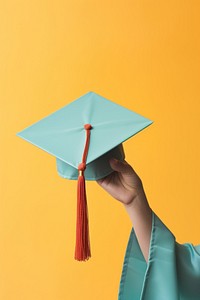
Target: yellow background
(141, 54)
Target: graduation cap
(83, 136)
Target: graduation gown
(172, 271)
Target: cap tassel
(82, 250)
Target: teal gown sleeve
(172, 271)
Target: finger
(100, 181)
(103, 182)
(120, 166)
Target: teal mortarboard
(83, 136)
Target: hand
(126, 186)
(123, 184)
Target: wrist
(138, 201)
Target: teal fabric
(95, 170)
(62, 133)
(172, 271)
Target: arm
(125, 186)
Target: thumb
(120, 166)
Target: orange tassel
(82, 250)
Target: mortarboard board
(83, 136)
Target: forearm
(140, 214)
